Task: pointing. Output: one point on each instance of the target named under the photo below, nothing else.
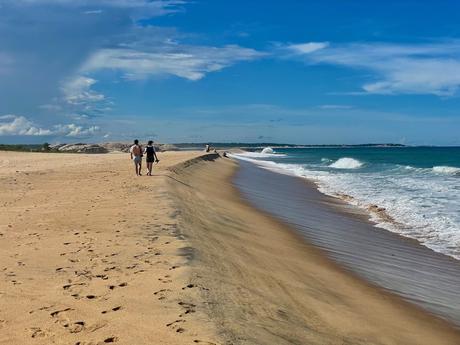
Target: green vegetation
(21, 147)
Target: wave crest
(346, 163)
(267, 150)
(446, 170)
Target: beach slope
(91, 254)
(265, 285)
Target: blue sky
(310, 72)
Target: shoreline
(436, 232)
(267, 285)
(92, 255)
(385, 259)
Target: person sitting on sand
(151, 156)
(136, 155)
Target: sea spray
(446, 170)
(346, 163)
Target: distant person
(151, 156)
(208, 148)
(136, 155)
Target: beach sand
(91, 254)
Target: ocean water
(416, 188)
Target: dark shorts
(150, 159)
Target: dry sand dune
(91, 254)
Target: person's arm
(155, 155)
(131, 152)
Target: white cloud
(79, 100)
(93, 12)
(20, 125)
(189, 62)
(307, 48)
(78, 91)
(399, 68)
(73, 130)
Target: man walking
(136, 155)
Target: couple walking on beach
(137, 153)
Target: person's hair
(136, 141)
(150, 142)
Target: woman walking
(149, 151)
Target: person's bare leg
(135, 167)
(140, 168)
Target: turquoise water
(417, 187)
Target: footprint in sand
(161, 294)
(112, 310)
(203, 342)
(69, 286)
(175, 325)
(113, 287)
(105, 341)
(165, 280)
(38, 333)
(188, 307)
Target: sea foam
(422, 201)
(346, 163)
(267, 150)
(446, 170)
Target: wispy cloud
(334, 106)
(11, 125)
(78, 91)
(431, 68)
(184, 61)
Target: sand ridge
(90, 254)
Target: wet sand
(399, 264)
(91, 255)
(264, 284)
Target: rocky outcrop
(124, 147)
(105, 147)
(78, 148)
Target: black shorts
(150, 159)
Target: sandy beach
(91, 254)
